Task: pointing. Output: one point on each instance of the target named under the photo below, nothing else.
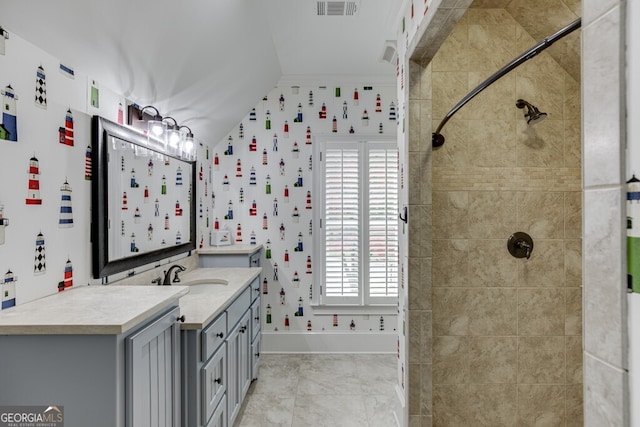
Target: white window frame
(363, 301)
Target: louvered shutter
(383, 222)
(342, 222)
(360, 229)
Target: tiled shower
(496, 340)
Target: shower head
(533, 115)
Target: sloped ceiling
(206, 63)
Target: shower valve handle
(520, 245)
(526, 247)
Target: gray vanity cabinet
(153, 373)
(219, 364)
(117, 380)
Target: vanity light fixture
(164, 134)
(155, 126)
(173, 136)
(188, 146)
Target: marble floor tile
(337, 390)
(378, 408)
(330, 411)
(267, 410)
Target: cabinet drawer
(255, 318)
(255, 288)
(213, 335)
(238, 307)
(214, 382)
(254, 260)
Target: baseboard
(328, 342)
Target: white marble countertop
(238, 249)
(87, 310)
(200, 308)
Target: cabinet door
(152, 373)
(255, 318)
(214, 382)
(238, 365)
(255, 357)
(219, 417)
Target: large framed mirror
(142, 200)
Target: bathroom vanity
(220, 343)
(240, 255)
(109, 355)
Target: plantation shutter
(383, 222)
(342, 218)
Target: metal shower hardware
(533, 115)
(437, 139)
(520, 245)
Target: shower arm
(438, 139)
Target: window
(358, 223)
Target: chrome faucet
(167, 275)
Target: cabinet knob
(258, 354)
(257, 318)
(218, 380)
(181, 319)
(220, 334)
(243, 329)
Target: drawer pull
(220, 334)
(181, 319)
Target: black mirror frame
(102, 267)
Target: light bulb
(174, 138)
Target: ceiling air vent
(337, 8)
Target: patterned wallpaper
(45, 159)
(262, 190)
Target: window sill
(342, 309)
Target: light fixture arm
(175, 123)
(156, 116)
(190, 134)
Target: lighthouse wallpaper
(257, 183)
(263, 181)
(43, 112)
(46, 164)
(45, 133)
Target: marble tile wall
(506, 332)
(606, 396)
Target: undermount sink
(206, 286)
(205, 282)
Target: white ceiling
(204, 62)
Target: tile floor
(317, 390)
